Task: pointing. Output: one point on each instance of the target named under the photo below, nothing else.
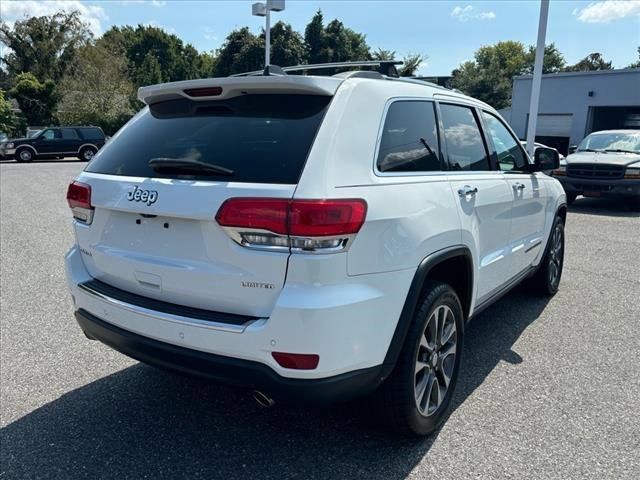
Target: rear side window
(91, 133)
(262, 138)
(465, 147)
(69, 134)
(409, 140)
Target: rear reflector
(304, 218)
(296, 361)
(79, 200)
(204, 92)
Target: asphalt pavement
(550, 389)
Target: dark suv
(82, 142)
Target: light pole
(264, 10)
(536, 80)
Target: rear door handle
(519, 186)
(467, 191)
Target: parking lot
(549, 388)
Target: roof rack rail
(385, 67)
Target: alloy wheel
(435, 360)
(556, 255)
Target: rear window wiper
(188, 164)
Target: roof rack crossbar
(385, 67)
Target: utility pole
(537, 77)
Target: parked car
(3, 139)
(605, 164)
(52, 142)
(311, 238)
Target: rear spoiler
(228, 87)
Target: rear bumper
(617, 188)
(228, 370)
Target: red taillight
(255, 213)
(300, 218)
(203, 92)
(326, 218)
(297, 361)
(79, 200)
(79, 195)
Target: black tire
(87, 153)
(546, 280)
(571, 197)
(395, 402)
(24, 155)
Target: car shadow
(145, 423)
(610, 207)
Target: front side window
(409, 140)
(465, 147)
(507, 148)
(48, 135)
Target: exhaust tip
(262, 399)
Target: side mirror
(545, 159)
(572, 149)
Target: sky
(446, 32)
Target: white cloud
(156, 24)
(92, 15)
(153, 3)
(605, 12)
(464, 14)
(210, 34)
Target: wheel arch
(26, 145)
(443, 265)
(87, 145)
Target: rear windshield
(262, 138)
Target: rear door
(154, 231)
(70, 140)
(527, 189)
(484, 198)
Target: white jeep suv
(311, 238)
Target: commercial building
(574, 104)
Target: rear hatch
(154, 232)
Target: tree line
(59, 73)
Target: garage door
(554, 125)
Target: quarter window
(409, 140)
(507, 149)
(465, 147)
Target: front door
(484, 197)
(48, 142)
(528, 193)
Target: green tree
(242, 51)
(489, 76)
(635, 64)
(287, 46)
(96, 90)
(37, 99)
(8, 120)
(553, 60)
(410, 62)
(155, 56)
(43, 46)
(593, 61)
(314, 37)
